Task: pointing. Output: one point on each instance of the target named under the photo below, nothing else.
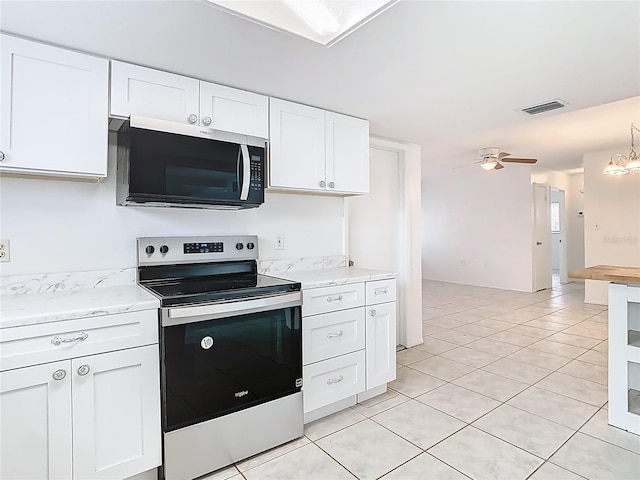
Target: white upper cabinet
(317, 151)
(347, 153)
(297, 151)
(152, 93)
(54, 110)
(232, 110)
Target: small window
(555, 217)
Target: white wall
(612, 220)
(61, 226)
(574, 199)
(482, 218)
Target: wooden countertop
(609, 273)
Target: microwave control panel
(256, 172)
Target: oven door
(218, 359)
(178, 164)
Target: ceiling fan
(491, 158)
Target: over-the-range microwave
(170, 164)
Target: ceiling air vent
(545, 107)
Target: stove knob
(239, 246)
(250, 246)
(164, 249)
(150, 249)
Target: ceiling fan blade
(520, 160)
(467, 164)
(501, 155)
(498, 166)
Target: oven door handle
(181, 315)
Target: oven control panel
(182, 250)
(198, 247)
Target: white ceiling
(447, 75)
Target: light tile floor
(507, 385)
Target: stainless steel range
(231, 351)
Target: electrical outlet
(279, 243)
(4, 251)
(485, 264)
(463, 263)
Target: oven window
(215, 367)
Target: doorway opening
(558, 238)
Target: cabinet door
(54, 110)
(35, 416)
(233, 110)
(381, 344)
(116, 413)
(297, 147)
(347, 161)
(151, 93)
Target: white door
(35, 415)
(374, 218)
(152, 93)
(380, 327)
(54, 109)
(541, 237)
(347, 150)
(233, 110)
(297, 146)
(116, 413)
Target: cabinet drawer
(332, 334)
(33, 344)
(332, 380)
(331, 299)
(381, 291)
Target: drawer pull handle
(83, 370)
(80, 338)
(373, 313)
(382, 291)
(335, 380)
(334, 299)
(334, 335)
(59, 374)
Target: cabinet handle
(373, 313)
(381, 291)
(81, 338)
(332, 184)
(334, 299)
(206, 121)
(334, 335)
(335, 380)
(59, 374)
(1, 156)
(193, 118)
(83, 370)
(322, 183)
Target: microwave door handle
(246, 172)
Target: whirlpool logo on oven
(241, 394)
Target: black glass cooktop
(189, 284)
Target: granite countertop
(44, 307)
(609, 273)
(327, 277)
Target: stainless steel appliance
(169, 164)
(231, 351)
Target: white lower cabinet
(84, 417)
(381, 344)
(35, 423)
(348, 344)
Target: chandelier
(621, 165)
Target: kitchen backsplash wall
(63, 226)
